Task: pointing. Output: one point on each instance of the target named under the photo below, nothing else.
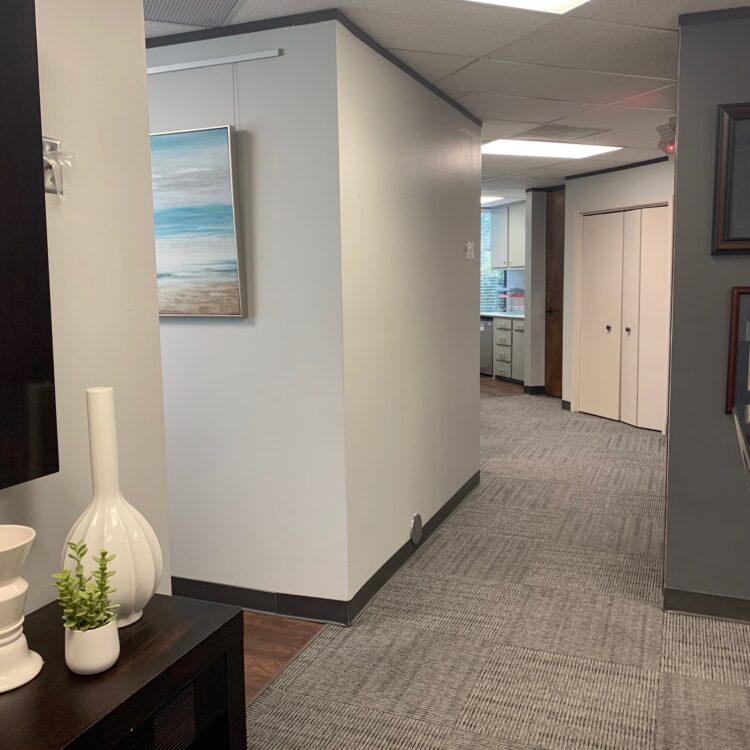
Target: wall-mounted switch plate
(469, 251)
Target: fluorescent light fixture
(545, 6)
(491, 199)
(545, 149)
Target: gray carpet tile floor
(530, 620)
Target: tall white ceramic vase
(111, 522)
(18, 665)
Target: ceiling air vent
(559, 133)
(190, 12)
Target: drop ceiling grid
(609, 65)
(190, 12)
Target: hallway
(531, 619)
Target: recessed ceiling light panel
(545, 6)
(491, 199)
(545, 149)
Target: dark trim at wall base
(304, 19)
(566, 405)
(710, 605)
(312, 608)
(534, 390)
(618, 168)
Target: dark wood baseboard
(534, 390)
(508, 380)
(334, 611)
(566, 405)
(710, 605)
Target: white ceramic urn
(111, 522)
(18, 665)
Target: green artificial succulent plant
(85, 599)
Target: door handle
(609, 328)
(627, 329)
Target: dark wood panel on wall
(28, 429)
(553, 343)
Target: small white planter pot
(92, 651)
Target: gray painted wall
(708, 504)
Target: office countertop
(516, 316)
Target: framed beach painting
(198, 262)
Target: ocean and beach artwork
(197, 258)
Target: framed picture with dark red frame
(738, 368)
(732, 195)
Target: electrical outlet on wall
(469, 251)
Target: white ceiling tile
(459, 28)
(455, 94)
(492, 129)
(159, 28)
(520, 108)
(662, 98)
(522, 79)
(509, 187)
(432, 65)
(621, 118)
(593, 45)
(446, 26)
(623, 138)
(492, 173)
(632, 155)
(581, 166)
(658, 14)
(516, 163)
(256, 10)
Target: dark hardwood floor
(490, 387)
(271, 642)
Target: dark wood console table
(179, 684)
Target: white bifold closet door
(631, 302)
(625, 314)
(655, 317)
(601, 311)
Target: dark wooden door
(554, 293)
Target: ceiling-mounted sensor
(667, 136)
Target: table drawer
(502, 369)
(503, 354)
(519, 326)
(503, 324)
(503, 338)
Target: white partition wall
(302, 439)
